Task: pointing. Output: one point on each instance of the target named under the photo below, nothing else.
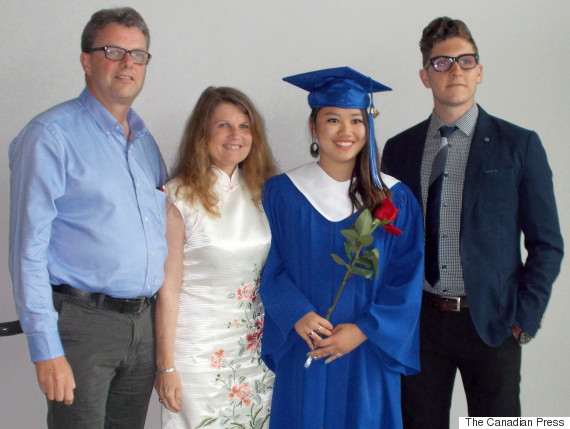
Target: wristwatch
(521, 336)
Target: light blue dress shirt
(86, 209)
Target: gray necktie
(433, 207)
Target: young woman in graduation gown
(372, 335)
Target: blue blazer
(508, 190)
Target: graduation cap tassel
(373, 165)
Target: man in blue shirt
(87, 226)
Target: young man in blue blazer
(481, 300)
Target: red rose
(387, 213)
(392, 229)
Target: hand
(55, 378)
(344, 339)
(169, 390)
(311, 326)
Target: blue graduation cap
(345, 88)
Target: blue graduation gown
(362, 388)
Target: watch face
(524, 337)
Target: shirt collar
(224, 181)
(107, 121)
(465, 123)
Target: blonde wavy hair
(193, 167)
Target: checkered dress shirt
(451, 274)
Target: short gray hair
(126, 16)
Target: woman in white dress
(209, 318)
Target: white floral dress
(220, 319)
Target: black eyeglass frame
(453, 60)
(126, 51)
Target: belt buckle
(457, 303)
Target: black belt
(445, 303)
(105, 302)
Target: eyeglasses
(115, 53)
(443, 63)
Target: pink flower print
(253, 340)
(259, 323)
(217, 358)
(247, 292)
(240, 393)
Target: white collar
(329, 197)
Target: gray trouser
(112, 358)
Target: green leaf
(367, 274)
(371, 255)
(255, 412)
(363, 224)
(264, 420)
(375, 260)
(365, 262)
(366, 240)
(339, 260)
(349, 249)
(350, 234)
(206, 422)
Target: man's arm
(37, 179)
(542, 237)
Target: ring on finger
(318, 329)
(339, 354)
(311, 333)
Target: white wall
(251, 44)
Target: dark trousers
(490, 375)
(112, 358)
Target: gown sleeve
(284, 303)
(391, 322)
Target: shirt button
(445, 174)
(146, 219)
(444, 267)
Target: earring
(315, 148)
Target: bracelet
(165, 371)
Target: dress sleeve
(391, 322)
(284, 303)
